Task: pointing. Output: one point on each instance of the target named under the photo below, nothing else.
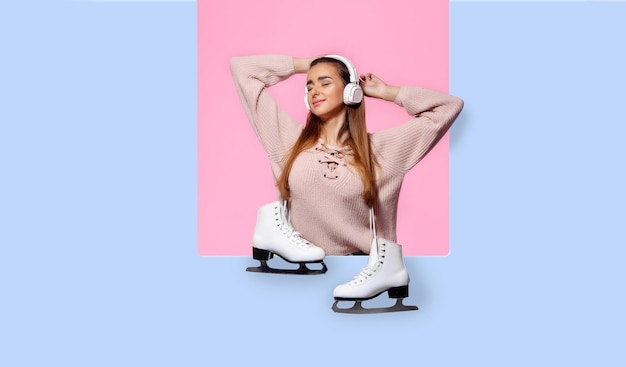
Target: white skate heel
(385, 272)
(273, 234)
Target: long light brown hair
(356, 137)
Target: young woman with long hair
(337, 178)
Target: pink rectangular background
(405, 42)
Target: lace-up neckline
(332, 158)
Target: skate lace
(368, 271)
(365, 273)
(363, 276)
(295, 237)
(288, 231)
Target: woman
(332, 172)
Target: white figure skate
(273, 234)
(385, 272)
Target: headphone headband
(351, 69)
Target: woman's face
(325, 90)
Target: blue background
(98, 261)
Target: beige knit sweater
(326, 205)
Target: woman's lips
(316, 103)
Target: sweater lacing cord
(332, 158)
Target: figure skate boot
(385, 271)
(273, 234)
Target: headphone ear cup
(306, 99)
(352, 94)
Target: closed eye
(323, 80)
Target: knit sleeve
(402, 147)
(276, 130)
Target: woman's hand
(374, 87)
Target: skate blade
(358, 308)
(301, 270)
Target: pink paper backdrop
(405, 42)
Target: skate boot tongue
(288, 231)
(373, 259)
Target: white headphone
(352, 92)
